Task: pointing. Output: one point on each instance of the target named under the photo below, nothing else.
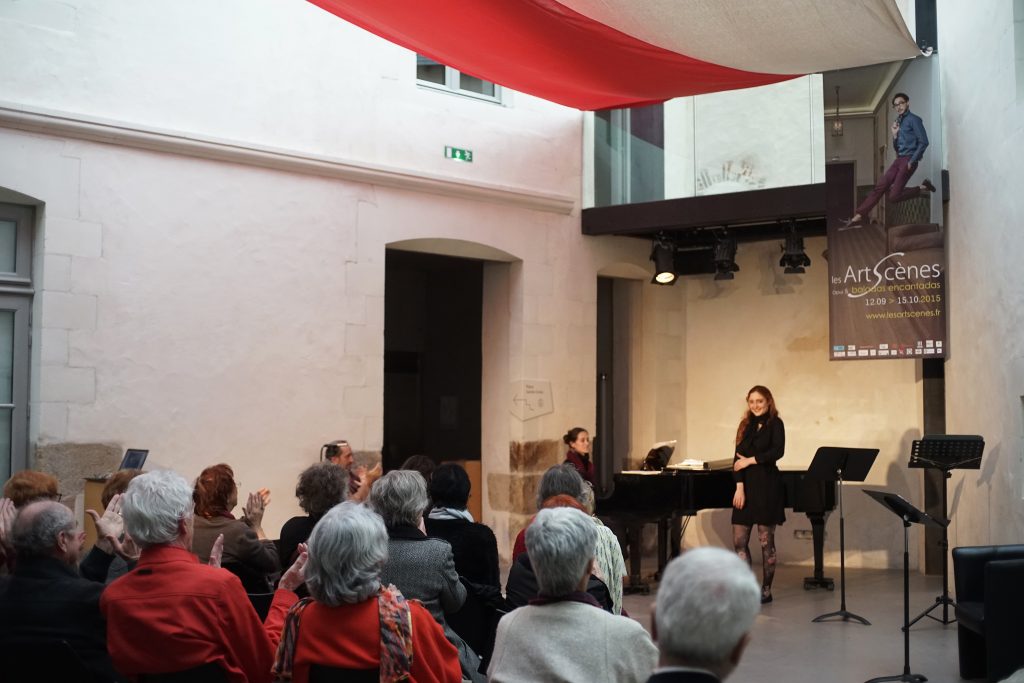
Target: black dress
(765, 440)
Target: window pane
(6, 357)
(8, 246)
(5, 443)
(473, 84)
(429, 70)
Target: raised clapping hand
(366, 479)
(254, 508)
(110, 528)
(296, 574)
(217, 551)
(7, 515)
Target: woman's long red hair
(748, 416)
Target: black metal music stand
(945, 453)
(910, 515)
(842, 464)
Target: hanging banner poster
(887, 274)
(887, 292)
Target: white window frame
(452, 85)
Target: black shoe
(766, 597)
(927, 185)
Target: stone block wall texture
(515, 493)
(72, 463)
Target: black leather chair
(261, 603)
(207, 673)
(989, 582)
(252, 581)
(477, 621)
(319, 673)
(25, 662)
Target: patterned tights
(766, 535)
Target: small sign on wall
(531, 398)
(458, 154)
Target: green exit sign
(458, 154)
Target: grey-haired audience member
(158, 509)
(47, 529)
(561, 544)
(565, 635)
(347, 549)
(46, 599)
(355, 622)
(560, 479)
(587, 499)
(400, 497)
(706, 605)
(421, 567)
(170, 592)
(564, 480)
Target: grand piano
(665, 498)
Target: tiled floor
(787, 647)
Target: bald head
(47, 529)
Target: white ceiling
(861, 89)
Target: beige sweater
(570, 641)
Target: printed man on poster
(910, 140)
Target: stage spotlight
(793, 256)
(725, 258)
(663, 254)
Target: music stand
(945, 453)
(910, 515)
(842, 464)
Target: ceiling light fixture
(725, 257)
(663, 254)
(837, 123)
(794, 258)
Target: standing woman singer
(759, 499)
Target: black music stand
(945, 453)
(910, 515)
(841, 464)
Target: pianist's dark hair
(748, 416)
(573, 434)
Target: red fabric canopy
(543, 48)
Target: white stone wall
(769, 328)
(280, 74)
(984, 124)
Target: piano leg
(669, 532)
(662, 546)
(676, 534)
(818, 532)
(634, 534)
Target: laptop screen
(133, 459)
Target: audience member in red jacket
(351, 621)
(172, 613)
